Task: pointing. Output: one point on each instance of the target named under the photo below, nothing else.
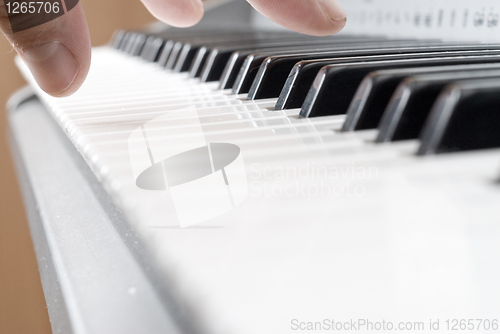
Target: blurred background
(22, 304)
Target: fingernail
(334, 10)
(53, 66)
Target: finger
(313, 17)
(178, 13)
(57, 52)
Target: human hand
(58, 52)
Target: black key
(335, 85)
(187, 47)
(128, 42)
(174, 54)
(218, 58)
(198, 62)
(303, 73)
(250, 67)
(274, 71)
(165, 53)
(237, 58)
(170, 53)
(375, 92)
(175, 42)
(150, 46)
(138, 45)
(204, 50)
(154, 49)
(154, 41)
(124, 41)
(117, 39)
(466, 117)
(147, 47)
(377, 88)
(135, 43)
(186, 57)
(414, 99)
(218, 53)
(216, 66)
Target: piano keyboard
(271, 174)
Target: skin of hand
(58, 52)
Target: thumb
(56, 52)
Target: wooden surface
(22, 304)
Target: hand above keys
(58, 52)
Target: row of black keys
(447, 95)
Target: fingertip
(333, 27)
(314, 17)
(337, 14)
(178, 13)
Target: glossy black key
(466, 117)
(124, 40)
(129, 42)
(138, 45)
(186, 58)
(151, 47)
(174, 55)
(198, 62)
(165, 53)
(237, 58)
(212, 57)
(303, 73)
(414, 99)
(175, 42)
(274, 71)
(185, 49)
(377, 88)
(154, 41)
(218, 57)
(117, 39)
(223, 48)
(147, 47)
(250, 67)
(216, 61)
(216, 67)
(335, 85)
(154, 49)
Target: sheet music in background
(463, 20)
